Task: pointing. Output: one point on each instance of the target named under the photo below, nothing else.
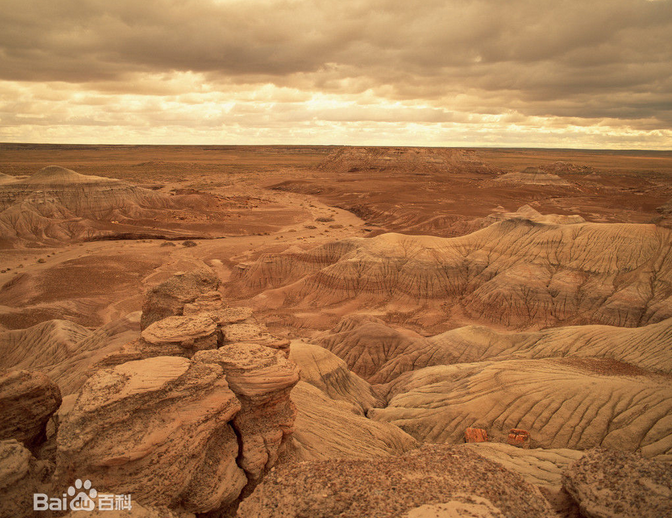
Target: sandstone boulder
(27, 401)
(262, 380)
(21, 475)
(609, 483)
(169, 298)
(157, 429)
(197, 333)
(251, 331)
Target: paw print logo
(82, 502)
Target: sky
(515, 73)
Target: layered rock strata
(27, 401)
(159, 429)
(21, 475)
(516, 273)
(262, 379)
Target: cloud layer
(521, 72)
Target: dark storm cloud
(604, 58)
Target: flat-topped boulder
(158, 429)
(252, 370)
(234, 315)
(27, 401)
(196, 332)
(249, 331)
(243, 332)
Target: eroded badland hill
(337, 331)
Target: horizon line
(61, 144)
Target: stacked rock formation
(261, 378)
(189, 414)
(186, 314)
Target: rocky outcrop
(159, 429)
(204, 323)
(170, 297)
(262, 379)
(393, 486)
(21, 475)
(562, 403)
(533, 176)
(607, 483)
(27, 401)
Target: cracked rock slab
(262, 379)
